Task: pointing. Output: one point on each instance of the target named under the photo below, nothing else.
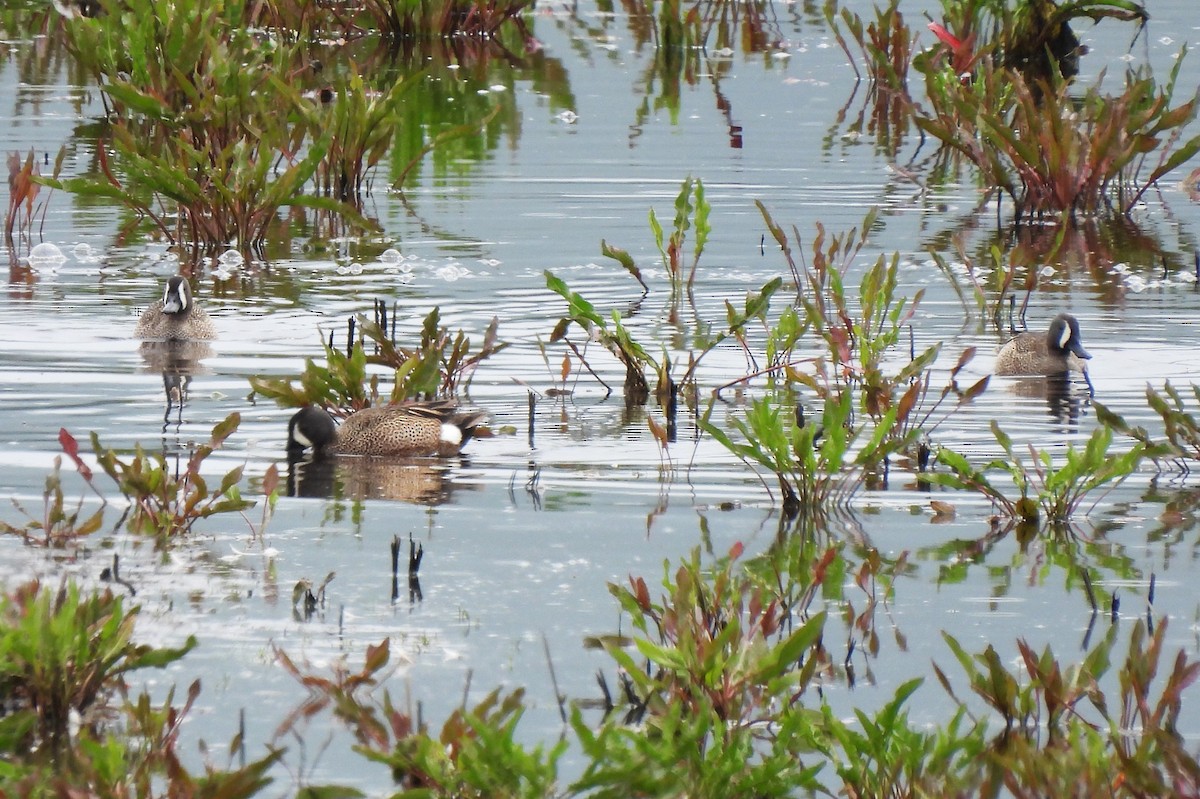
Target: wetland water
(504, 567)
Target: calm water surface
(507, 568)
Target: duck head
(1064, 336)
(177, 298)
(311, 428)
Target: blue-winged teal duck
(176, 318)
(1056, 351)
(416, 428)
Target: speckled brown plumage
(176, 317)
(418, 428)
(1057, 350)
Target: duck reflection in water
(1065, 400)
(417, 481)
(178, 362)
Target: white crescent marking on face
(1065, 337)
(300, 438)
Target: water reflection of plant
(1014, 258)
(887, 46)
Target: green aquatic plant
(1031, 37)
(885, 754)
(1052, 150)
(719, 644)
(1181, 428)
(209, 136)
(1052, 744)
(58, 526)
(69, 727)
(691, 214)
(439, 365)
(400, 20)
(23, 189)
(719, 697)
(869, 410)
(166, 502)
(362, 125)
(691, 211)
(860, 330)
(819, 464)
(614, 336)
(341, 384)
(1044, 489)
(475, 754)
(64, 654)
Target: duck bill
(173, 302)
(1079, 352)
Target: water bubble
(231, 258)
(390, 256)
(46, 253)
(355, 268)
(451, 272)
(84, 253)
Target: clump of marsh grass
(1045, 489)
(213, 131)
(70, 727)
(1054, 151)
(439, 364)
